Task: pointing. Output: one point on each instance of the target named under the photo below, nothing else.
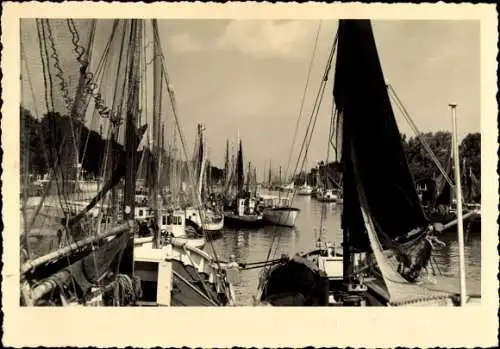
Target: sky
(247, 77)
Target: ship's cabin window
(163, 219)
(169, 220)
(177, 220)
(141, 213)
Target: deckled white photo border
(248, 326)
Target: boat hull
(213, 223)
(246, 221)
(305, 191)
(181, 240)
(294, 283)
(281, 216)
(170, 276)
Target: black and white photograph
(298, 163)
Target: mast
(157, 89)
(200, 160)
(239, 169)
(226, 165)
(255, 180)
(249, 175)
(131, 139)
(269, 175)
(458, 190)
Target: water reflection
(254, 245)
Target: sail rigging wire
(63, 87)
(49, 103)
(173, 105)
(309, 133)
(418, 134)
(27, 227)
(301, 108)
(330, 135)
(83, 69)
(165, 77)
(67, 101)
(316, 107)
(44, 58)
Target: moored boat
(305, 190)
(213, 221)
(387, 239)
(329, 196)
(245, 214)
(278, 211)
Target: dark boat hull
(247, 221)
(295, 283)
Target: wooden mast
(127, 265)
(157, 87)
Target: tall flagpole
(458, 191)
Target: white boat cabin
(168, 222)
(330, 261)
(274, 201)
(172, 222)
(245, 206)
(143, 213)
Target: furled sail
(444, 189)
(380, 198)
(239, 170)
(381, 169)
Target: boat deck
(443, 284)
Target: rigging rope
(309, 132)
(418, 134)
(173, 105)
(303, 97)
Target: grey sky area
(249, 76)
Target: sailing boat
(382, 219)
(243, 212)
(213, 219)
(442, 208)
(172, 272)
(95, 261)
(103, 264)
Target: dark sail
(443, 188)
(239, 170)
(371, 134)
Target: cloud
(267, 39)
(257, 38)
(185, 42)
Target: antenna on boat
(458, 191)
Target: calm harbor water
(253, 245)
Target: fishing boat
(387, 239)
(305, 190)
(213, 218)
(243, 211)
(98, 263)
(442, 208)
(91, 261)
(278, 210)
(213, 221)
(171, 223)
(329, 196)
